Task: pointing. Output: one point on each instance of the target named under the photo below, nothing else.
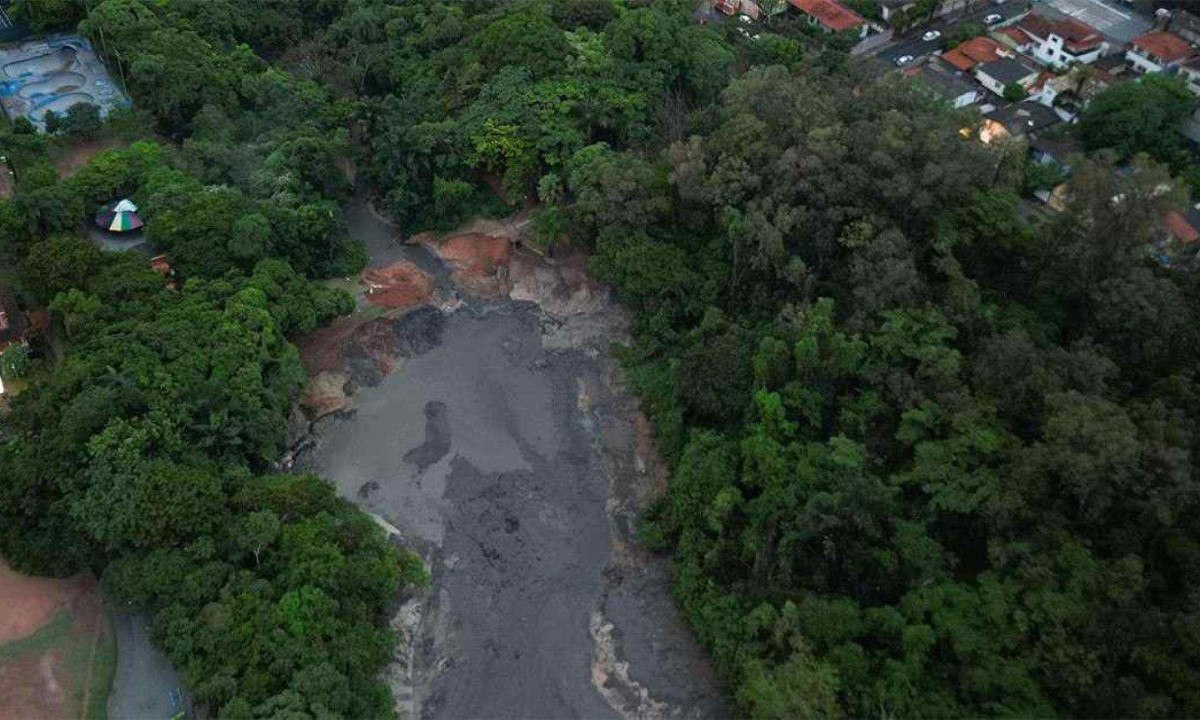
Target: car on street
(903, 60)
(993, 19)
(931, 35)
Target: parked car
(993, 19)
(903, 60)
(931, 35)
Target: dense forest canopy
(932, 452)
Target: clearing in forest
(57, 650)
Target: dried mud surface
(490, 431)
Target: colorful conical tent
(119, 217)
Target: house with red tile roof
(1061, 42)
(1183, 229)
(1156, 51)
(973, 52)
(831, 15)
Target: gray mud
(505, 456)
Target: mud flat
(504, 449)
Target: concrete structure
(889, 9)
(52, 74)
(1157, 51)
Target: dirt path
(506, 451)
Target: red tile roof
(958, 60)
(981, 49)
(1078, 37)
(973, 52)
(1015, 34)
(830, 13)
(1181, 228)
(1163, 45)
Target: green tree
(1138, 117)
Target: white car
(931, 36)
(992, 19)
(903, 60)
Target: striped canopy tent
(119, 217)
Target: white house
(1157, 51)
(1063, 42)
(998, 74)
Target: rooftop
(972, 52)
(950, 85)
(1113, 19)
(1006, 70)
(1078, 36)
(1182, 228)
(1167, 47)
(1025, 118)
(830, 13)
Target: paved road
(145, 685)
(912, 44)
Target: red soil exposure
(376, 341)
(475, 254)
(81, 152)
(399, 285)
(28, 603)
(324, 349)
(44, 683)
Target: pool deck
(54, 73)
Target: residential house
(889, 9)
(999, 74)
(1157, 51)
(1190, 72)
(1184, 227)
(832, 16)
(1070, 92)
(1177, 245)
(973, 52)
(954, 87)
(749, 8)
(1055, 148)
(1018, 120)
(1186, 25)
(1060, 42)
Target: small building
(1157, 51)
(999, 74)
(1018, 120)
(1184, 227)
(749, 8)
(1060, 42)
(832, 16)
(968, 54)
(1071, 92)
(1186, 25)
(956, 88)
(1190, 72)
(889, 9)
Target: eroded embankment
(489, 429)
